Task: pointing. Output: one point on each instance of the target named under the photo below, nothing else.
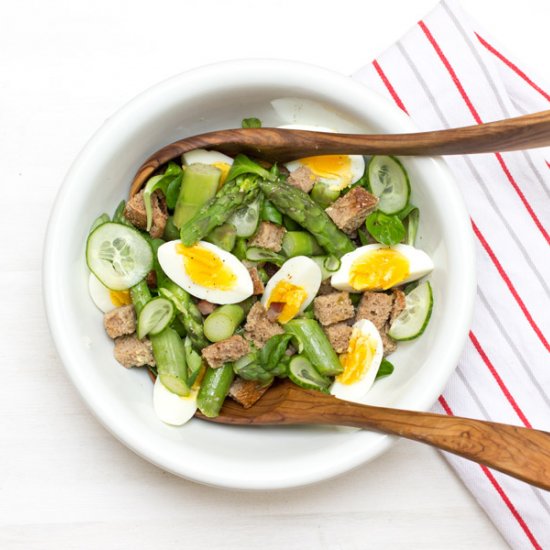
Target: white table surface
(65, 482)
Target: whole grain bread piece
(120, 321)
(131, 352)
(339, 335)
(135, 213)
(390, 345)
(376, 307)
(268, 235)
(350, 211)
(399, 301)
(258, 286)
(333, 308)
(258, 328)
(230, 349)
(302, 178)
(247, 392)
(325, 288)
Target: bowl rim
(422, 400)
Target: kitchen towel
(447, 72)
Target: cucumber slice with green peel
(303, 374)
(118, 255)
(389, 181)
(155, 316)
(413, 320)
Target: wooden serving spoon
(281, 145)
(519, 452)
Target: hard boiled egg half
(171, 408)
(206, 271)
(105, 299)
(214, 158)
(361, 363)
(379, 267)
(293, 287)
(336, 171)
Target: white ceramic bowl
(214, 97)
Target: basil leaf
(243, 165)
(251, 122)
(385, 229)
(385, 369)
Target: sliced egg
(219, 160)
(361, 363)
(171, 408)
(105, 299)
(379, 267)
(206, 271)
(294, 285)
(336, 171)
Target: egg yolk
(224, 167)
(292, 296)
(206, 268)
(358, 359)
(120, 298)
(378, 269)
(337, 167)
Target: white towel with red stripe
(446, 72)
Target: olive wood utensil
(519, 452)
(281, 145)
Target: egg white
(100, 294)
(205, 157)
(358, 390)
(172, 264)
(300, 271)
(420, 264)
(171, 408)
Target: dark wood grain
(275, 144)
(520, 452)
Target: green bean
(312, 341)
(300, 243)
(222, 322)
(302, 209)
(269, 213)
(200, 183)
(170, 358)
(223, 236)
(324, 195)
(214, 389)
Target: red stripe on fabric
(388, 85)
(510, 286)
(512, 66)
(477, 118)
(499, 380)
(511, 507)
(484, 243)
(500, 490)
(548, 164)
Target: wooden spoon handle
(520, 452)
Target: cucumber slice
(156, 315)
(118, 255)
(412, 321)
(246, 219)
(303, 374)
(389, 182)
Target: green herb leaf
(385, 229)
(385, 369)
(169, 183)
(243, 165)
(274, 350)
(251, 122)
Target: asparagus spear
(302, 209)
(222, 322)
(232, 196)
(214, 389)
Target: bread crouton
(247, 392)
(135, 213)
(120, 321)
(376, 307)
(258, 286)
(325, 288)
(390, 345)
(332, 308)
(338, 335)
(399, 301)
(230, 349)
(269, 235)
(302, 178)
(258, 328)
(350, 211)
(131, 352)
